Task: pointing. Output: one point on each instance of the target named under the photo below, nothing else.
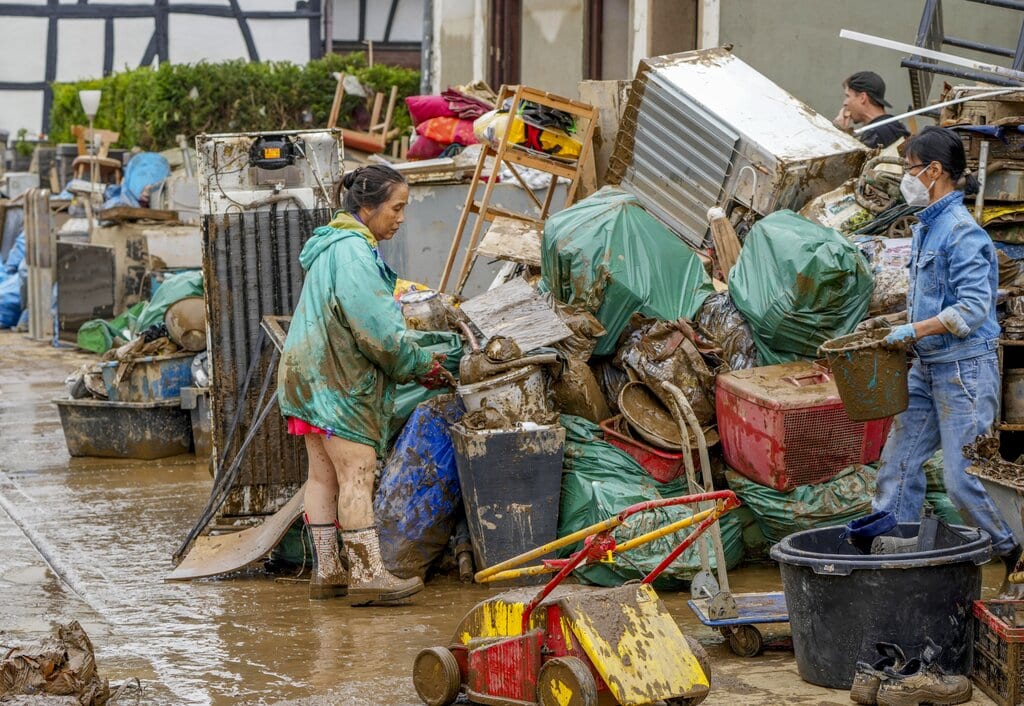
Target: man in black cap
(864, 103)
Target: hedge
(150, 107)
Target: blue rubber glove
(902, 335)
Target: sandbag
(798, 284)
(610, 256)
(418, 497)
(835, 502)
(62, 665)
(598, 481)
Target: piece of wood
(517, 311)
(512, 239)
(339, 94)
(122, 214)
(610, 99)
(727, 245)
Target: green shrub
(149, 107)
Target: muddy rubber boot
(371, 583)
(329, 578)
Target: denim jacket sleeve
(970, 264)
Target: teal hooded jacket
(346, 345)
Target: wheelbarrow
(734, 616)
(576, 645)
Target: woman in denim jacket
(954, 381)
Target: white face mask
(915, 193)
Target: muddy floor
(91, 539)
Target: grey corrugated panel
(251, 261)
(680, 159)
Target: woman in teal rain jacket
(346, 348)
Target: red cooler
(784, 426)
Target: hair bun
(349, 179)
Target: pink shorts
(298, 427)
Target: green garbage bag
(798, 284)
(935, 493)
(174, 289)
(98, 335)
(409, 395)
(598, 481)
(835, 502)
(609, 255)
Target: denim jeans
(950, 404)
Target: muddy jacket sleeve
(970, 267)
(376, 321)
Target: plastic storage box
(144, 430)
(785, 425)
(998, 637)
(151, 379)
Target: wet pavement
(91, 539)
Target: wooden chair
(375, 139)
(109, 170)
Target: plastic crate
(998, 637)
(151, 379)
(663, 466)
(784, 425)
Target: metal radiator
(251, 269)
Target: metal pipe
(909, 63)
(978, 46)
(931, 54)
(955, 101)
(979, 200)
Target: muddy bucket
(871, 379)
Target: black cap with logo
(871, 83)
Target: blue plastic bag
(143, 170)
(10, 300)
(419, 498)
(15, 255)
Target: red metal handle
(601, 542)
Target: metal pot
(423, 311)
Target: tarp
(418, 498)
(609, 255)
(98, 335)
(144, 171)
(798, 284)
(598, 481)
(835, 502)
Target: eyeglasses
(908, 167)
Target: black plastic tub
(145, 430)
(841, 603)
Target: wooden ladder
(511, 156)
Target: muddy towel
(598, 481)
(835, 502)
(798, 284)
(61, 666)
(419, 498)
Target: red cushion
(448, 130)
(424, 148)
(423, 108)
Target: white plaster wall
(192, 38)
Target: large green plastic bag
(411, 394)
(598, 481)
(174, 289)
(609, 255)
(835, 502)
(798, 284)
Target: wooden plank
(515, 310)
(512, 239)
(121, 214)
